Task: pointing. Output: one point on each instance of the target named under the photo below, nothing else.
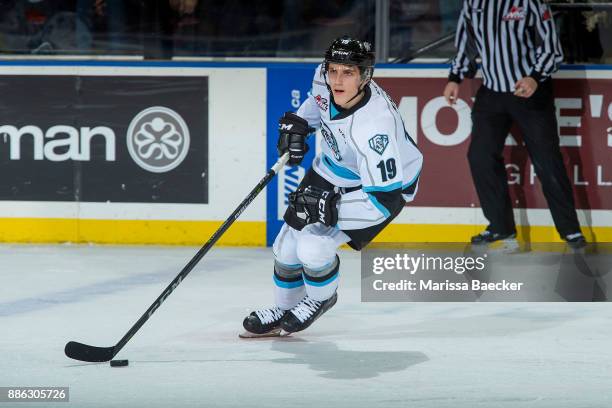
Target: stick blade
(84, 352)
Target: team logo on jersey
(516, 14)
(322, 102)
(330, 139)
(158, 139)
(379, 143)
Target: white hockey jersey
(366, 145)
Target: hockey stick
(84, 352)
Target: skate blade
(502, 247)
(272, 333)
(506, 247)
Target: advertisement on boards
(584, 116)
(104, 139)
(288, 87)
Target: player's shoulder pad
(318, 76)
(376, 122)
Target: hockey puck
(119, 363)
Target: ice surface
(357, 355)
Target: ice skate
(305, 313)
(501, 243)
(263, 323)
(576, 241)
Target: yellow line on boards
(38, 230)
(242, 233)
(462, 233)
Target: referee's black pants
(492, 117)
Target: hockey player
(368, 168)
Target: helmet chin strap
(361, 89)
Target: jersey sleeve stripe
(379, 206)
(390, 187)
(338, 170)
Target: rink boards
(76, 156)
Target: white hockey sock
(288, 285)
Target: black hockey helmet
(349, 51)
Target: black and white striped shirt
(514, 39)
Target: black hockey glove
(292, 138)
(312, 204)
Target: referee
(519, 49)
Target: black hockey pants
(492, 117)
